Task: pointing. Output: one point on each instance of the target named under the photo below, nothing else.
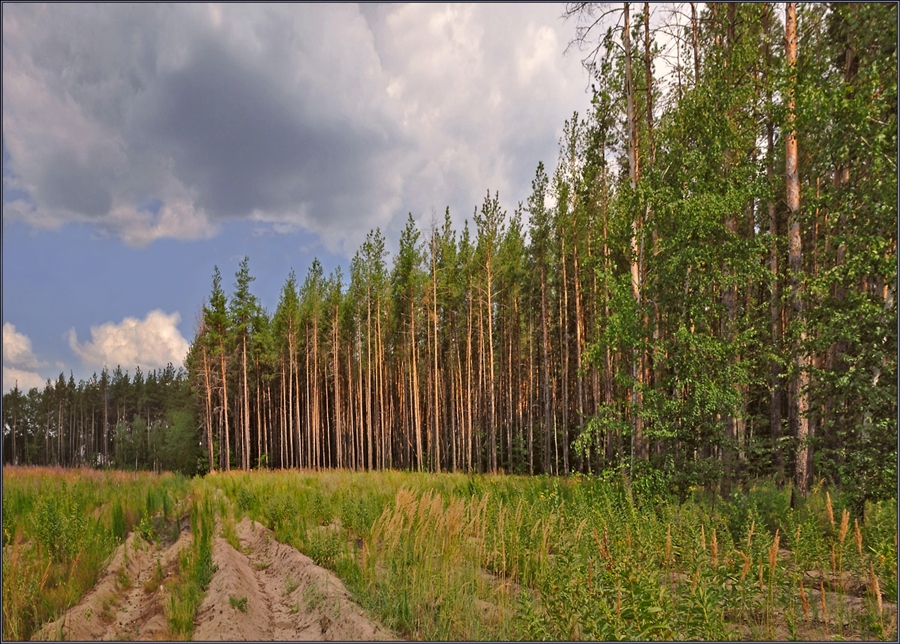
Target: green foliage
(146, 529)
(595, 558)
(238, 602)
(195, 567)
(59, 525)
(65, 525)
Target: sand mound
(126, 604)
(265, 591)
(274, 592)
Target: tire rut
(127, 603)
(271, 591)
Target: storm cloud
(149, 121)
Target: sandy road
(127, 603)
(265, 591)
(271, 591)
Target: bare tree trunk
(579, 340)
(564, 350)
(434, 318)
(469, 432)
(414, 386)
(316, 427)
(208, 397)
(795, 261)
(492, 420)
(531, 399)
(648, 76)
(637, 445)
(338, 429)
(225, 407)
(695, 42)
(545, 323)
(775, 297)
(282, 436)
(368, 391)
(245, 461)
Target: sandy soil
(126, 604)
(271, 591)
(265, 591)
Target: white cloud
(180, 220)
(19, 361)
(17, 348)
(150, 343)
(22, 378)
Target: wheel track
(288, 597)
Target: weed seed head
(845, 523)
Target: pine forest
(701, 290)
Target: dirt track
(288, 597)
(125, 604)
(266, 591)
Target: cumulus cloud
(21, 378)
(150, 343)
(17, 348)
(20, 364)
(333, 118)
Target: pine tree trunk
(227, 466)
(775, 296)
(648, 79)
(246, 432)
(437, 415)
(548, 410)
(338, 429)
(492, 420)
(695, 42)
(637, 446)
(564, 350)
(795, 262)
(579, 340)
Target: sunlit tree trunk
(795, 261)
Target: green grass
(452, 556)
(195, 565)
(60, 528)
(502, 557)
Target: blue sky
(144, 144)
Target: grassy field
(484, 557)
(60, 528)
(460, 557)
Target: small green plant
(290, 585)
(156, 579)
(195, 568)
(146, 529)
(238, 602)
(123, 579)
(323, 546)
(118, 528)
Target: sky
(145, 144)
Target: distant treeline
(145, 421)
